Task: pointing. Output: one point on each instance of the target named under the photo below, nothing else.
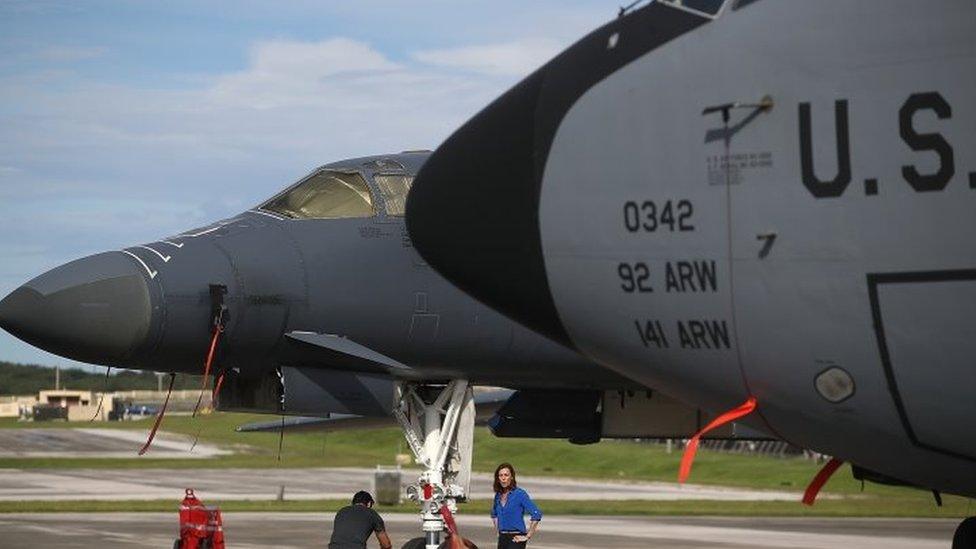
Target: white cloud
(517, 58)
(115, 150)
(298, 73)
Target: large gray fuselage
(873, 267)
(150, 307)
(815, 250)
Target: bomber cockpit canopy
(346, 192)
(326, 194)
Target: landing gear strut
(438, 423)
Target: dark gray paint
(149, 306)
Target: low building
(16, 405)
(66, 397)
(77, 405)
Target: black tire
(177, 544)
(415, 543)
(965, 537)
(205, 543)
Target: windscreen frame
(364, 178)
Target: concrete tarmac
(319, 483)
(97, 442)
(308, 530)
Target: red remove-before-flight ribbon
(218, 329)
(159, 417)
(691, 448)
(810, 495)
(456, 541)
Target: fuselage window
(324, 195)
(707, 7)
(394, 189)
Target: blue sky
(125, 121)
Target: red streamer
(691, 449)
(159, 417)
(449, 520)
(217, 386)
(218, 329)
(455, 539)
(810, 495)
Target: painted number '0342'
(651, 216)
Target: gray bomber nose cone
(96, 309)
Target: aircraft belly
(628, 280)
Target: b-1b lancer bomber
(769, 202)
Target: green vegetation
(860, 507)
(619, 460)
(28, 379)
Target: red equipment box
(200, 528)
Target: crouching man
(354, 524)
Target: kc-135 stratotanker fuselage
(767, 198)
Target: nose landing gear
(438, 423)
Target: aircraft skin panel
(273, 292)
(804, 233)
(913, 310)
(811, 286)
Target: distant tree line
(27, 379)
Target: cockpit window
(705, 7)
(394, 189)
(324, 195)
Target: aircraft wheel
(965, 537)
(415, 543)
(177, 544)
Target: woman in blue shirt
(511, 505)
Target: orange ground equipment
(200, 528)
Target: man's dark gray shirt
(353, 526)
